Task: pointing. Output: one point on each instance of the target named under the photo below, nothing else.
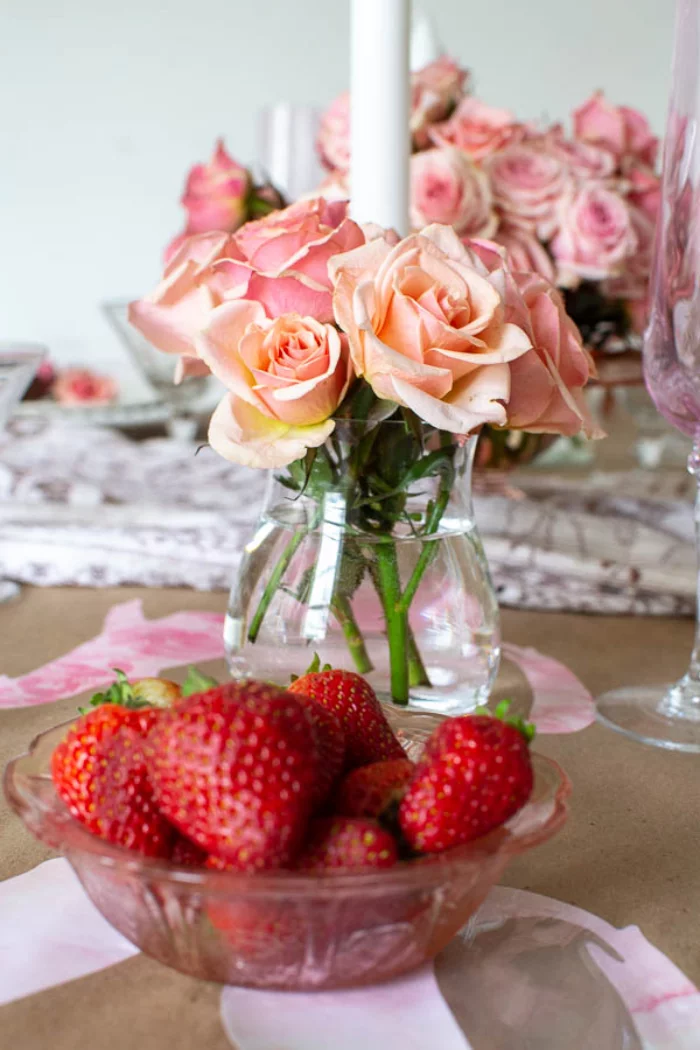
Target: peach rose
(596, 235)
(525, 253)
(285, 377)
(476, 128)
(281, 261)
(427, 328)
(528, 184)
(547, 382)
(447, 188)
(623, 131)
(81, 386)
(583, 160)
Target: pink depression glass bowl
(282, 930)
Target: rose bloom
(478, 129)
(547, 382)
(447, 188)
(81, 386)
(528, 184)
(525, 252)
(427, 328)
(596, 235)
(583, 160)
(644, 190)
(280, 261)
(623, 131)
(435, 90)
(333, 140)
(285, 377)
(633, 282)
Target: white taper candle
(379, 117)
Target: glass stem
(396, 620)
(342, 610)
(693, 672)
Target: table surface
(629, 853)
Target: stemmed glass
(669, 716)
(19, 363)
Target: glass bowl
(285, 930)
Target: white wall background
(104, 106)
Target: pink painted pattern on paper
(560, 701)
(140, 647)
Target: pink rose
(427, 329)
(447, 188)
(633, 281)
(547, 382)
(215, 194)
(528, 184)
(435, 90)
(525, 253)
(478, 129)
(644, 190)
(596, 235)
(623, 131)
(333, 140)
(81, 386)
(583, 160)
(282, 260)
(285, 378)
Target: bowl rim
(72, 839)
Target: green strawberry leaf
(197, 682)
(501, 710)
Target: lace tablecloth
(89, 507)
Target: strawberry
(100, 772)
(343, 842)
(330, 739)
(368, 735)
(143, 692)
(187, 854)
(370, 790)
(475, 773)
(235, 769)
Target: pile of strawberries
(248, 777)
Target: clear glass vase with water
(367, 554)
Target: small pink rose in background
(477, 128)
(333, 140)
(625, 132)
(285, 376)
(525, 252)
(281, 261)
(427, 328)
(81, 386)
(583, 160)
(435, 90)
(447, 188)
(547, 382)
(216, 193)
(633, 283)
(644, 190)
(528, 185)
(596, 235)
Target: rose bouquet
(578, 209)
(357, 368)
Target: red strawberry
(235, 769)
(342, 842)
(100, 772)
(370, 790)
(475, 773)
(368, 735)
(330, 740)
(187, 854)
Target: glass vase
(367, 554)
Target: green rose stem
(273, 583)
(342, 610)
(396, 620)
(417, 674)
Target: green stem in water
(396, 620)
(274, 582)
(342, 610)
(417, 674)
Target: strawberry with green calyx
(99, 771)
(197, 682)
(368, 735)
(236, 770)
(141, 693)
(369, 791)
(474, 774)
(339, 844)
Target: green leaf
(197, 682)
